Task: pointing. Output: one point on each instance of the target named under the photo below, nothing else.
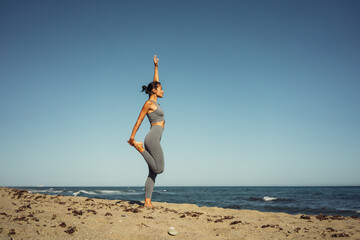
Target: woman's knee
(158, 170)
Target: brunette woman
(152, 152)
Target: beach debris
(305, 217)
(322, 217)
(92, 211)
(224, 218)
(329, 229)
(38, 197)
(19, 193)
(63, 224)
(35, 219)
(337, 217)
(23, 208)
(170, 210)
(3, 213)
(182, 216)
(172, 231)
(123, 215)
(130, 209)
(53, 217)
(108, 214)
(271, 226)
(149, 217)
(77, 213)
(22, 218)
(336, 235)
(193, 214)
(70, 230)
(235, 222)
(297, 229)
(11, 232)
(89, 199)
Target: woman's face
(159, 91)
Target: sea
(343, 201)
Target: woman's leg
(149, 184)
(154, 157)
(153, 153)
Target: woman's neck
(153, 98)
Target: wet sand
(27, 216)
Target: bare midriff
(161, 124)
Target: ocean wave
(36, 191)
(85, 192)
(118, 192)
(109, 192)
(269, 199)
(348, 210)
(50, 190)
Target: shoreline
(274, 199)
(25, 215)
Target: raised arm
(156, 72)
(141, 117)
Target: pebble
(172, 231)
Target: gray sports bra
(157, 115)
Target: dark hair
(150, 87)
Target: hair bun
(144, 89)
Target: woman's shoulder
(150, 104)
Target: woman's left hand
(131, 141)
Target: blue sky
(256, 92)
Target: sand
(25, 215)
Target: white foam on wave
(36, 191)
(83, 191)
(108, 191)
(358, 211)
(111, 192)
(50, 190)
(268, 199)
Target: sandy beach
(25, 215)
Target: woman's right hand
(156, 60)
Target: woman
(152, 152)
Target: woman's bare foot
(139, 146)
(148, 203)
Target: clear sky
(256, 92)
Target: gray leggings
(154, 157)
